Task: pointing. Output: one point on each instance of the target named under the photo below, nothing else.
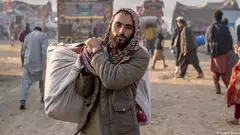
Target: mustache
(121, 36)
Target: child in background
(233, 93)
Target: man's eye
(130, 28)
(117, 25)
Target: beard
(119, 42)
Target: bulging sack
(62, 99)
(143, 98)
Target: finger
(87, 41)
(94, 38)
(100, 38)
(59, 44)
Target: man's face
(122, 30)
(179, 24)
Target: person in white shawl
(34, 54)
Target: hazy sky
(169, 4)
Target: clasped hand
(95, 44)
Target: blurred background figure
(11, 33)
(188, 50)
(238, 33)
(21, 38)
(158, 52)
(149, 35)
(233, 92)
(219, 44)
(34, 53)
(175, 45)
(233, 52)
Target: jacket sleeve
(118, 76)
(183, 38)
(230, 39)
(174, 37)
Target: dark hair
(225, 21)
(124, 12)
(38, 28)
(27, 25)
(127, 13)
(182, 21)
(160, 35)
(218, 15)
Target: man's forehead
(124, 18)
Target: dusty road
(180, 107)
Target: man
(219, 43)
(34, 53)
(158, 53)
(175, 45)
(149, 34)
(22, 36)
(117, 64)
(11, 33)
(233, 52)
(188, 50)
(238, 33)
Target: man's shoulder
(27, 36)
(142, 53)
(186, 28)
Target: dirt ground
(179, 107)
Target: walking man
(188, 50)
(21, 38)
(158, 53)
(116, 63)
(34, 53)
(238, 33)
(175, 45)
(11, 33)
(219, 44)
(233, 53)
(149, 34)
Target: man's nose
(121, 30)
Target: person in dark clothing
(188, 50)
(149, 34)
(22, 36)
(238, 33)
(175, 45)
(219, 44)
(233, 53)
(158, 53)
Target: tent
(201, 16)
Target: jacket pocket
(123, 117)
(85, 85)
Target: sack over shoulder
(62, 99)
